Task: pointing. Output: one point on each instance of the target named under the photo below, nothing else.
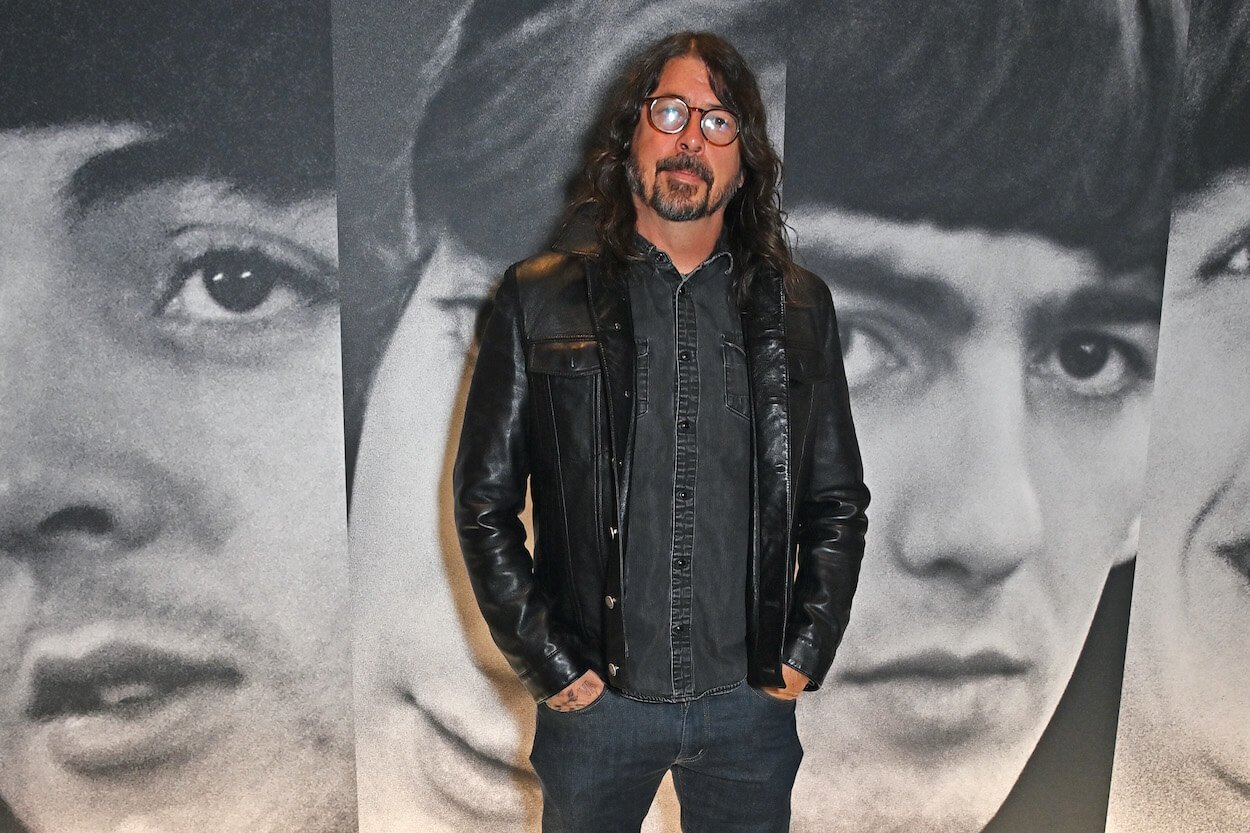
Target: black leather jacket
(551, 402)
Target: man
(173, 655)
(655, 379)
(432, 757)
(1183, 748)
(989, 207)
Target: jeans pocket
(592, 704)
(764, 695)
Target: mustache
(687, 164)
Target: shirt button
(684, 425)
(610, 601)
(678, 628)
(616, 325)
(684, 355)
(681, 563)
(683, 494)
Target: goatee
(677, 202)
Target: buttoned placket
(685, 563)
(685, 465)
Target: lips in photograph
(113, 698)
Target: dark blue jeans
(734, 757)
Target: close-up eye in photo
(242, 283)
(174, 611)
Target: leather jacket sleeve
(491, 471)
(830, 521)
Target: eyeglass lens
(671, 115)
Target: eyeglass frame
(650, 101)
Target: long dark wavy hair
(754, 222)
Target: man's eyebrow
(120, 172)
(1097, 305)
(927, 297)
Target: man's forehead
(977, 263)
(688, 76)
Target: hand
(578, 694)
(796, 683)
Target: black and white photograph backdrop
(985, 187)
(174, 612)
(246, 249)
(1183, 755)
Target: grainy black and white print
(1183, 755)
(174, 614)
(985, 186)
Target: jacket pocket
(804, 364)
(564, 357)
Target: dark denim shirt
(689, 515)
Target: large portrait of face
(444, 727)
(1183, 754)
(999, 340)
(173, 566)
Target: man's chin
(886, 800)
(327, 806)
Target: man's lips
(940, 667)
(686, 168)
(1237, 554)
(117, 705)
(123, 680)
(466, 772)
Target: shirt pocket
(737, 385)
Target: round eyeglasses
(671, 114)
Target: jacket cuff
(554, 675)
(808, 659)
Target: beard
(678, 201)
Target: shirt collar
(658, 258)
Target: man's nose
(978, 515)
(691, 137)
(61, 506)
(73, 479)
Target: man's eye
(239, 285)
(1232, 261)
(867, 356)
(1094, 365)
(1237, 261)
